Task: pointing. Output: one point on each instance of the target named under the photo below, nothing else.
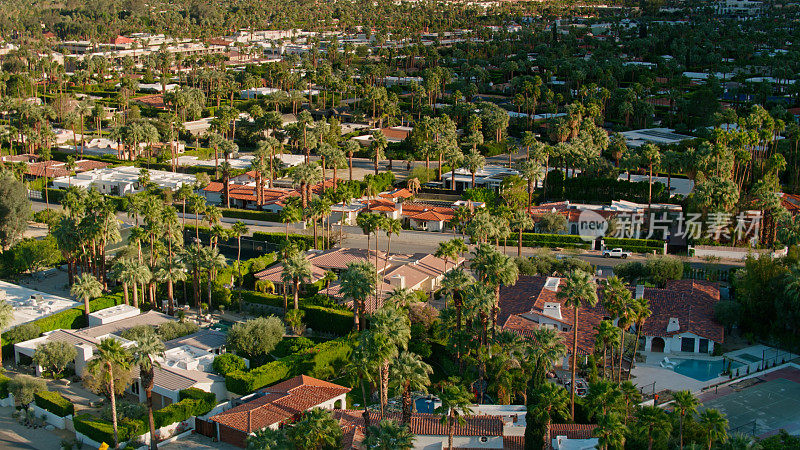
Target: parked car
(616, 253)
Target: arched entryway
(657, 345)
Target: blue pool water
(703, 370)
(424, 405)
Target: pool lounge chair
(667, 364)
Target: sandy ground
(16, 436)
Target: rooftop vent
(552, 283)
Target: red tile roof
(690, 301)
(397, 193)
(427, 424)
(426, 212)
(55, 169)
(572, 430)
(280, 402)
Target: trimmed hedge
(328, 320)
(545, 237)
(4, 380)
(633, 242)
(263, 298)
(54, 402)
(248, 214)
(306, 242)
(100, 430)
(194, 402)
(321, 361)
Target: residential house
(489, 176)
(123, 180)
(272, 406)
(573, 436)
(682, 317)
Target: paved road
(16, 436)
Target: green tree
(145, 355)
(15, 209)
(388, 435)
(579, 289)
(714, 426)
(316, 430)
(296, 269)
(684, 403)
(54, 356)
(410, 374)
(357, 283)
(268, 439)
(456, 404)
(547, 402)
(110, 354)
(23, 388)
(86, 288)
(255, 338)
(494, 269)
(610, 432)
(653, 423)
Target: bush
(328, 320)
(194, 402)
(262, 298)
(54, 402)
(54, 356)
(4, 380)
(100, 430)
(24, 387)
(227, 363)
(292, 346)
(173, 330)
(250, 215)
(663, 268)
(255, 338)
(241, 382)
(22, 333)
(304, 242)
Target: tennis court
(771, 404)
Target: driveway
(196, 442)
(16, 436)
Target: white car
(616, 253)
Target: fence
(707, 274)
(747, 428)
(251, 248)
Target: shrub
(55, 403)
(4, 381)
(24, 387)
(663, 268)
(264, 216)
(173, 330)
(54, 356)
(257, 337)
(100, 430)
(227, 363)
(292, 346)
(22, 333)
(194, 402)
(241, 382)
(304, 242)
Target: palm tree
(198, 205)
(618, 301)
(317, 429)
(610, 432)
(212, 262)
(606, 337)
(494, 269)
(391, 330)
(641, 308)
(238, 230)
(654, 423)
(548, 402)
(684, 403)
(357, 283)
(411, 374)
(6, 317)
(456, 401)
(474, 161)
(391, 227)
(520, 220)
(652, 156)
(171, 271)
(110, 353)
(290, 214)
(363, 366)
(86, 288)
(532, 172)
(579, 289)
(714, 426)
(296, 269)
(388, 435)
(148, 348)
(546, 347)
(377, 147)
(631, 395)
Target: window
(687, 344)
(703, 345)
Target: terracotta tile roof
(426, 212)
(154, 101)
(690, 301)
(395, 134)
(245, 192)
(54, 169)
(572, 430)
(280, 402)
(427, 424)
(397, 193)
(274, 273)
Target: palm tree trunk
(621, 352)
(574, 362)
(635, 349)
(153, 440)
(296, 293)
(113, 403)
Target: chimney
(85, 353)
(552, 310)
(398, 281)
(673, 325)
(639, 291)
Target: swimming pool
(703, 370)
(424, 405)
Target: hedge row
(559, 238)
(318, 318)
(54, 402)
(100, 430)
(72, 318)
(554, 244)
(279, 238)
(622, 242)
(193, 402)
(248, 214)
(321, 361)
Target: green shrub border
(54, 402)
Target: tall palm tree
(606, 337)
(631, 395)
(546, 347)
(494, 269)
(392, 330)
(213, 261)
(456, 404)
(193, 258)
(145, 355)
(363, 366)
(317, 429)
(86, 287)
(520, 220)
(110, 354)
(238, 230)
(684, 403)
(388, 435)
(579, 289)
(357, 283)
(198, 205)
(652, 157)
(474, 161)
(642, 312)
(532, 172)
(296, 269)
(548, 402)
(290, 214)
(411, 374)
(171, 271)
